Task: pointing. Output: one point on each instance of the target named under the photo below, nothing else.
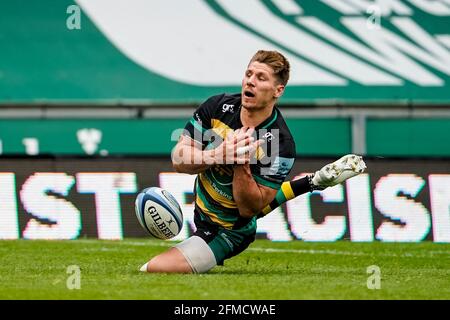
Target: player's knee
(190, 256)
(197, 254)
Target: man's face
(259, 86)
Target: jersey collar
(266, 123)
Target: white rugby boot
(337, 172)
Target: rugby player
(241, 150)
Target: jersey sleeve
(200, 122)
(271, 171)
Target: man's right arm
(188, 156)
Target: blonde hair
(276, 61)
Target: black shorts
(223, 242)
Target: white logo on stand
(31, 146)
(89, 139)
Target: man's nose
(251, 80)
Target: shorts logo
(225, 237)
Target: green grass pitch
(267, 270)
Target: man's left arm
(256, 186)
(250, 196)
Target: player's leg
(330, 175)
(209, 246)
(170, 261)
(193, 255)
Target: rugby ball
(159, 213)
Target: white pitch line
(151, 244)
(347, 253)
(169, 243)
(310, 251)
(127, 242)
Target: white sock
(144, 267)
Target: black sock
(288, 191)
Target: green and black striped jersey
(272, 163)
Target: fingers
(240, 137)
(245, 154)
(239, 146)
(229, 136)
(259, 142)
(254, 146)
(244, 138)
(245, 142)
(243, 133)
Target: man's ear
(279, 91)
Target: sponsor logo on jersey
(268, 136)
(228, 108)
